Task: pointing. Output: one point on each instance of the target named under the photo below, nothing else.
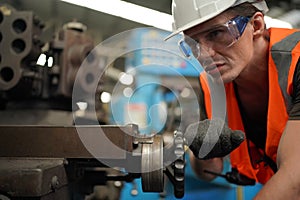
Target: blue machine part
(160, 57)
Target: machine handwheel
(152, 165)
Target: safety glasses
(217, 38)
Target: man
(261, 72)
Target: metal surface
(51, 162)
(20, 44)
(62, 142)
(33, 177)
(152, 165)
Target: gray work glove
(212, 138)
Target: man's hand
(212, 138)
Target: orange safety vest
(283, 57)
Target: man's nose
(206, 51)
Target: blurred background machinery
(28, 71)
(20, 45)
(42, 154)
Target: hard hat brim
(261, 5)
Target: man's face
(219, 53)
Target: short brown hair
(244, 9)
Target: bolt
(54, 183)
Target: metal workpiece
(163, 154)
(152, 165)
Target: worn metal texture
(152, 166)
(63, 141)
(27, 177)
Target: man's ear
(258, 24)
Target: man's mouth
(213, 68)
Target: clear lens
(219, 37)
(193, 46)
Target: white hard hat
(189, 13)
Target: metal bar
(67, 142)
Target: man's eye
(215, 34)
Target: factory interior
(93, 102)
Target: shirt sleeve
(294, 113)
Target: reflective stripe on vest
(282, 60)
(283, 57)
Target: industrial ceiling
(55, 13)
